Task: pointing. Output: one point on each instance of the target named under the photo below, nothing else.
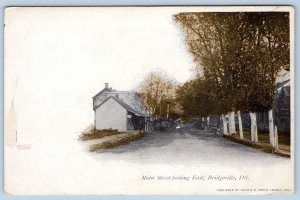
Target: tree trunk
(225, 132)
(276, 139)
(240, 125)
(168, 110)
(207, 121)
(232, 123)
(271, 128)
(254, 136)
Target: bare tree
(158, 94)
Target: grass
(263, 138)
(283, 138)
(96, 134)
(121, 140)
(263, 142)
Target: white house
(122, 110)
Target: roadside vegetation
(116, 141)
(91, 133)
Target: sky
(57, 59)
(118, 46)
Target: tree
(158, 95)
(197, 99)
(265, 50)
(210, 37)
(239, 53)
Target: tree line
(238, 56)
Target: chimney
(106, 85)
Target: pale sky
(113, 45)
(57, 59)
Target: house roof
(111, 91)
(282, 84)
(124, 105)
(282, 76)
(104, 89)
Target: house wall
(111, 115)
(282, 112)
(100, 98)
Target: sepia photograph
(171, 100)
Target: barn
(121, 110)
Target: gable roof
(123, 104)
(104, 89)
(281, 84)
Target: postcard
(172, 100)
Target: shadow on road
(154, 139)
(160, 139)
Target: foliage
(196, 99)
(240, 55)
(158, 95)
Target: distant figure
(142, 125)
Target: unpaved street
(183, 146)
